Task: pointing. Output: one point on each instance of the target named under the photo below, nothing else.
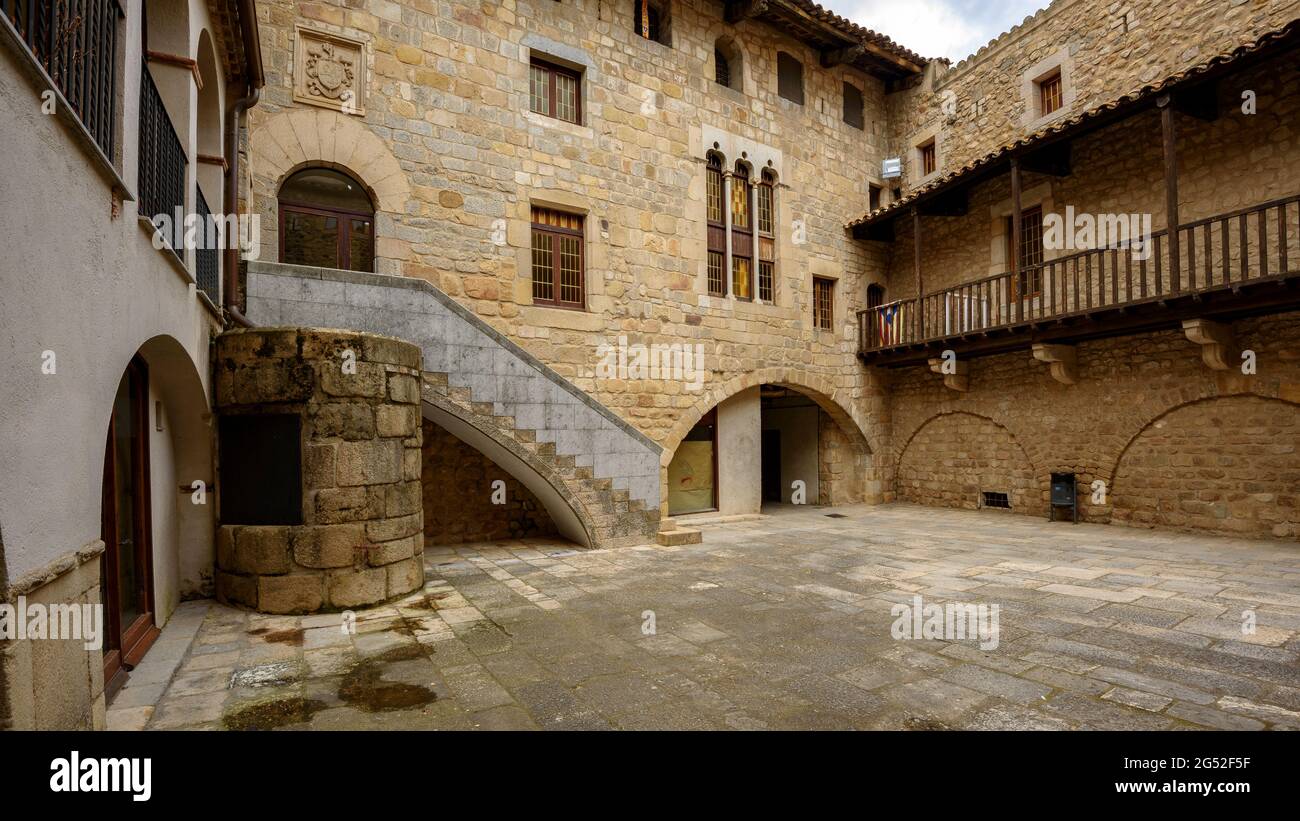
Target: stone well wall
(360, 538)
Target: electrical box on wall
(892, 168)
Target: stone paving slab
(785, 621)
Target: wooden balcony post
(916, 264)
(1165, 104)
(1015, 236)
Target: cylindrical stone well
(319, 454)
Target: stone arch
(952, 457)
(560, 495)
(288, 141)
(208, 135)
(180, 453)
(1226, 464)
(857, 435)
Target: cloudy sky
(937, 28)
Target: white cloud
(938, 28)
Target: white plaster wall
(740, 474)
(90, 287)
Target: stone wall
(1105, 49)
(1177, 444)
(454, 159)
(359, 541)
(1236, 161)
(459, 501)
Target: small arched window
(650, 20)
(727, 61)
(766, 190)
(742, 233)
(327, 221)
(716, 216)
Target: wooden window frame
(343, 249)
(1022, 286)
(829, 285)
(797, 63)
(556, 232)
(716, 229)
(928, 157)
(1051, 93)
(553, 100)
(861, 123)
(765, 238)
(744, 239)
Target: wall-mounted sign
(892, 168)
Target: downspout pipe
(255, 79)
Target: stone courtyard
(773, 622)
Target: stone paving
(780, 622)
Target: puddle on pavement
(268, 715)
(365, 689)
(291, 637)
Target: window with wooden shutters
(742, 233)
(558, 259)
(555, 91)
(853, 106)
(1030, 282)
(789, 77)
(823, 303)
(1050, 94)
(766, 191)
(717, 227)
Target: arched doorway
(156, 512)
(769, 443)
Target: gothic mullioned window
(742, 233)
(766, 191)
(716, 215)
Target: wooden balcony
(1236, 264)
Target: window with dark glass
(558, 264)
(823, 303)
(873, 196)
(715, 212)
(742, 233)
(853, 106)
(650, 21)
(721, 69)
(327, 221)
(555, 91)
(789, 77)
(766, 197)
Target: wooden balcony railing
(75, 41)
(162, 162)
(207, 255)
(1218, 253)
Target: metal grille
(162, 161)
(207, 254)
(996, 499)
(928, 159)
(717, 282)
(765, 281)
(557, 258)
(715, 214)
(722, 71)
(76, 42)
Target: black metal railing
(1219, 252)
(162, 163)
(207, 253)
(76, 42)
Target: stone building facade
(435, 116)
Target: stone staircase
(518, 411)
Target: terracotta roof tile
(1289, 30)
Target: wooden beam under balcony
(843, 56)
(738, 10)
